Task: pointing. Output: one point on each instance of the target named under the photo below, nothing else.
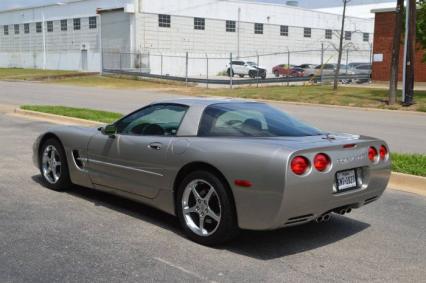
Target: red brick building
(382, 50)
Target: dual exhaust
(326, 217)
(343, 211)
(323, 218)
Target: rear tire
(277, 74)
(207, 216)
(53, 166)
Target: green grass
(345, 96)
(82, 113)
(30, 74)
(115, 82)
(413, 164)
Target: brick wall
(383, 36)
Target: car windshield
(251, 119)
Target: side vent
(79, 162)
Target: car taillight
(321, 162)
(299, 165)
(372, 154)
(383, 152)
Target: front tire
(205, 209)
(53, 166)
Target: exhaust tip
(348, 210)
(326, 217)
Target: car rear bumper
(303, 201)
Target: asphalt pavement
(87, 236)
(405, 132)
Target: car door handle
(155, 146)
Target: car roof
(204, 101)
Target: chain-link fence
(317, 65)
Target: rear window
(251, 119)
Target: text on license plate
(346, 180)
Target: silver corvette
(219, 165)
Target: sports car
(219, 165)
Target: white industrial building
(73, 35)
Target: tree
(393, 80)
(342, 30)
(421, 25)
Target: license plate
(346, 180)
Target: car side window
(154, 120)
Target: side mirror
(109, 130)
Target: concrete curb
(408, 183)
(403, 182)
(57, 119)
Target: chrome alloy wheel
(201, 208)
(51, 164)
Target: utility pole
(393, 80)
(409, 60)
(342, 30)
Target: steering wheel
(153, 130)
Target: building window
(77, 24)
(64, 25)
(16, 28)
(366, 36)
(93, 22)
(328, 34)
(348, 35)
(49, 26)
(307, 32)
(26, 28)
(231, 26)
(6, 30)
(284, 30)
(258, 28)
(38, 27)
(199, 23)
(164, 21)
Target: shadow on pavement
(263, 245)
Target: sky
(9, 4)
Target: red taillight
(372, 154)
(321, 162)
(300, 165)
(383, 152)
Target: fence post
(288, 65)
(322, 62)
(231, 71)
(257, 77)
(186, 69)
(207, 71)
(140, 61)
(347, 60)
(161, 64)
(120, 61)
